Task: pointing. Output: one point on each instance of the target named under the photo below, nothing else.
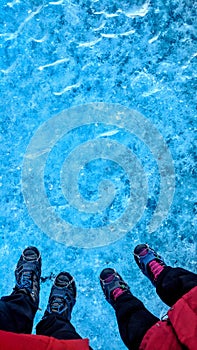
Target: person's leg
(58, 327)
(132, 317)
(171, 283)
(17, 310)
(56, 320)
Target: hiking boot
(27, 273)
(113, 285)
(149, 262)
(63, 296)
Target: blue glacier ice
(98, 121)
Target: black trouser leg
(133, 320)
(58, 327)
(173, 283)
(17, 312)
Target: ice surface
(33, 185)
(98, 110)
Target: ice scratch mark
(37, 154)
(67, 88)
(111, 35)
(194, 55)
(108, 15)
(54, 63)
(127, 33)
(139, 12)
(11, 4)
(39, 40)
(12, 36)
(60, 2)
(10, 69)
(154, 38)
(189, 61)
(101, 27)
(151, 92)
(109, 133)
(89, 43)
(86, 66)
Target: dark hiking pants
(17, 313)
(134, 320)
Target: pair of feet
(63, 293)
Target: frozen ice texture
(61, 54)
(51, 132)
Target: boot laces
(57, 304)
(27, 280)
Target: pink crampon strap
(156, 268)
(109, 278)
(117, 292)
(143, 252)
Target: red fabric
(183, 317)
(14, 341)
(180, 328)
